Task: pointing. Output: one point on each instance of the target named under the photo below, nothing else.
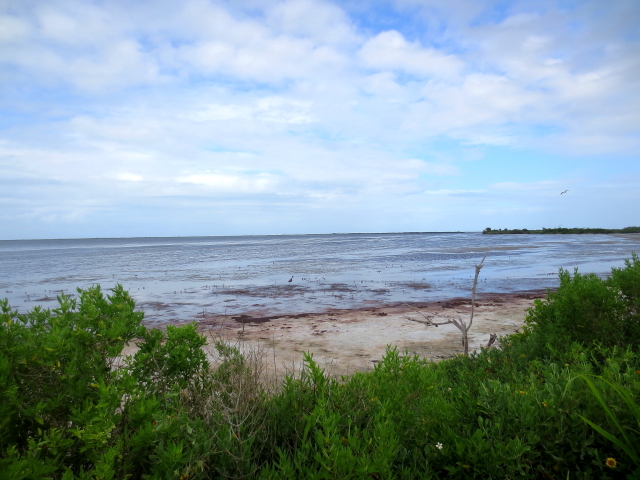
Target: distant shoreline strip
(559, 231)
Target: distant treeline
(560, 230)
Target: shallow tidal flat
(351, 340)
(342, 297)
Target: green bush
(626, 281)
(626, 438)
(389, 423)
(588, 310)
(70, 407)
(66, 411)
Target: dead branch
(473, 290)
(428, 322)
(457, 322)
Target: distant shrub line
(559, 230)
(558, 400)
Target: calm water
(178, 278)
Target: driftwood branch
(428, 321)
(473, 290)
(463, 327)
(457, 322)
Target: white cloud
(13, 29)
(520, 19)
(389, 50)
(270, 59)
(535, 42)
(447, 192)
(548, 185)
(308, 101)
(270, 109)
(221, 182)
(130, 177)
(322, 21)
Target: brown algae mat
(346, 341)
(351, 340)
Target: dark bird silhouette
(564, 192)
(291, 280)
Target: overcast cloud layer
(201, 117)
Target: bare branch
(428, 322)
(457, 322)
(460, 324)
(473, 290)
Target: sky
(126, 118)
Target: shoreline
(482, 300)
(345, 341)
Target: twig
(428, 322)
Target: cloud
(13, 29)
(321, 21)
(446, 192)
(548, 185)
(221, 182)
(390, 51)
(312, 104)
(73, 43)
(270, 109)
(129, 177)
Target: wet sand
(351, 340)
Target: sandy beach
(351, 340)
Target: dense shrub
(389, 423)
(588, 310)
(559, 400)
(626, 281)
(65, 410)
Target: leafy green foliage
(66, 411)
(389, 423)
(588, 310)
(70, 407)
(629, 440)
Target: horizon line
(243, 235)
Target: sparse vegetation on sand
(558, 400)
(559, 230)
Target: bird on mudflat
(564, 192)
(291, 280)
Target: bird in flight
(564, 192)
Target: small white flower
(449, 389)
(439, 446)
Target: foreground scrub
(71, 408)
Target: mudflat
(352, 340)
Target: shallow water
(179, 278)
